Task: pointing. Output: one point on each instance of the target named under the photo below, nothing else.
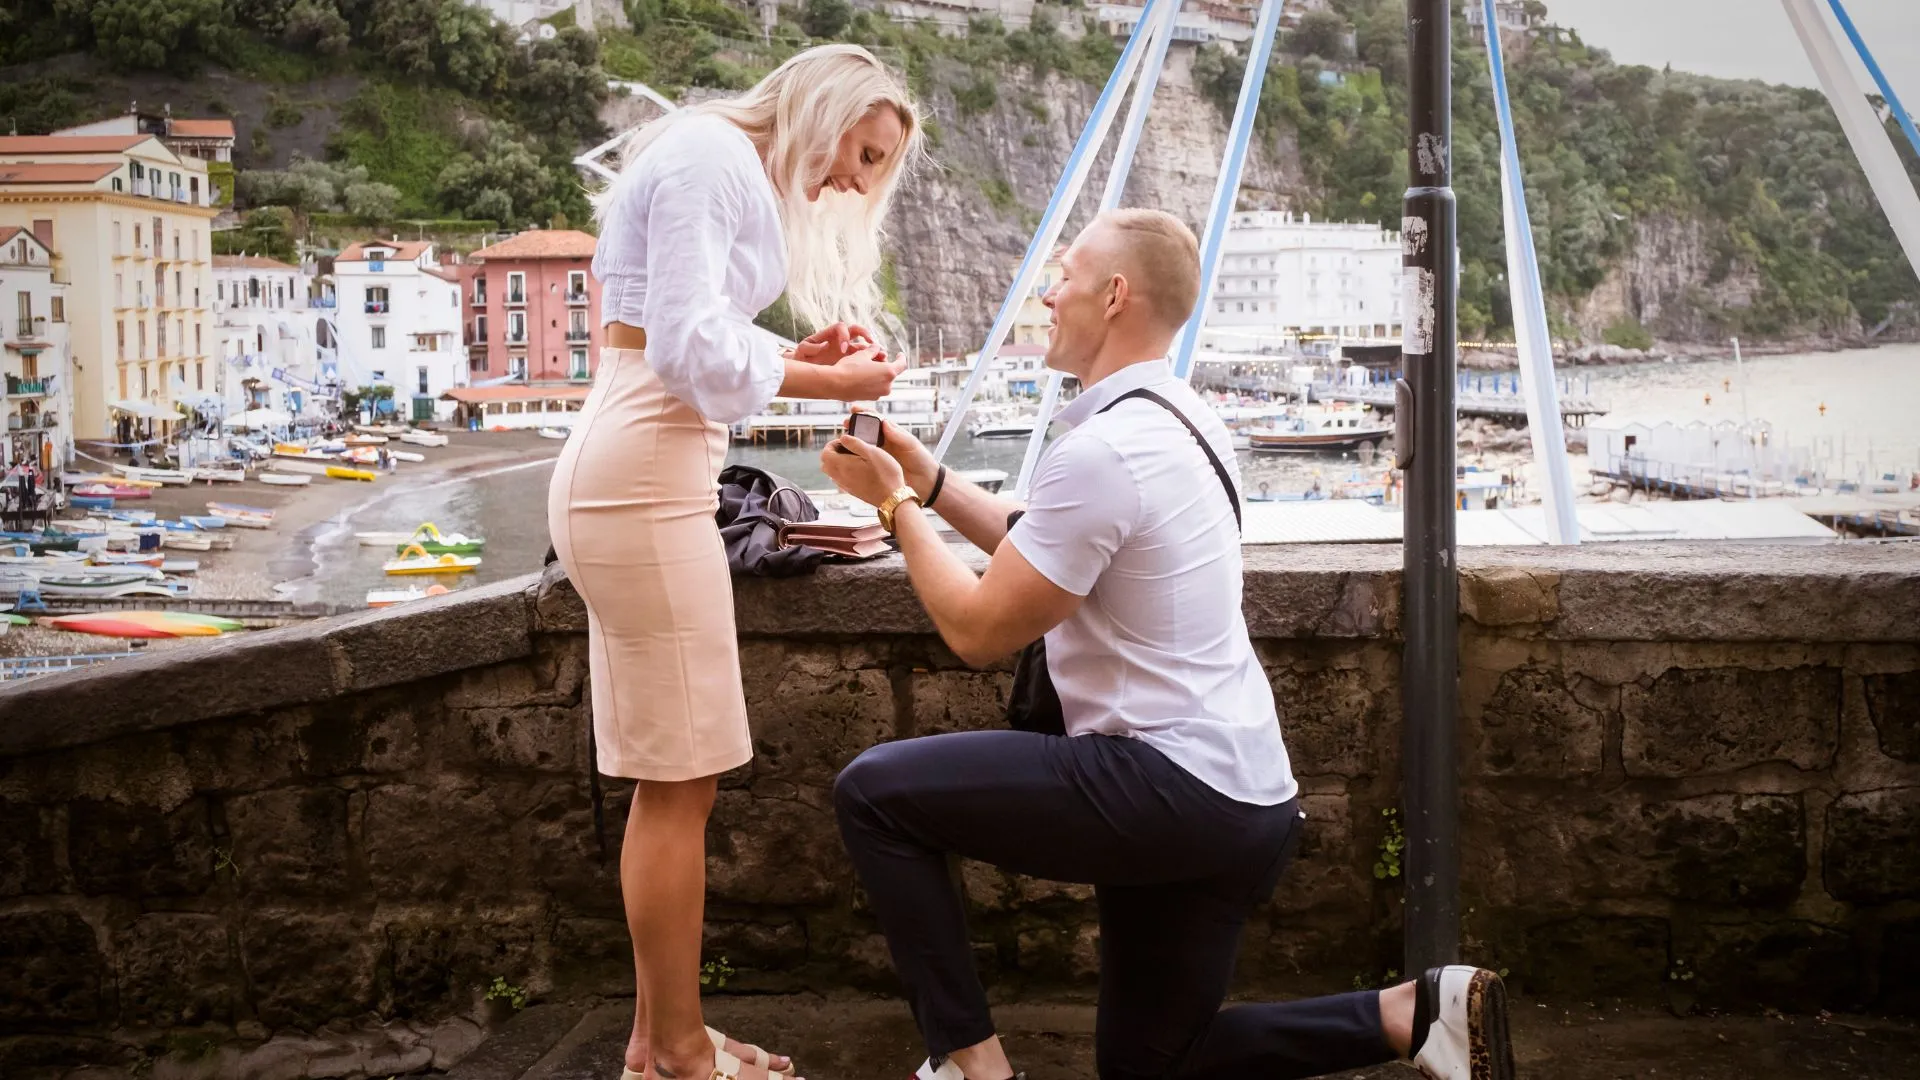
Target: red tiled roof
(38, 172)
(404, 251)
(250, 262)
(540, 244)
(8, 232)
(69, 144)
(203, 129)
(442, 273)
(518, 392)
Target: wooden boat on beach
(203, 521)
(223, 474)
(406, 455)
(246, 517)
(286, 479)
(424, 438)
(297, 465)
(160, 476)
(112, 491)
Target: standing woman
(721, 207)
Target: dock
(1864, 515)
(1472, 398)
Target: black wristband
(939, 480)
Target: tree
(158, 35)
(371, 201)
(316, 25)
(1322, 34)
(559, 88)
(267, 231)
(826, 18)
(507, 183)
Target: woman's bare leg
(632, 878)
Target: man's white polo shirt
(1125, 510)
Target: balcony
(325, 302)
(519, 338)
(578, 334)
(516, 299)
(376, 307)
(34, 329)
(143, 188)
(18, 387)
(142, 300)
(577, 299)
(480, 299)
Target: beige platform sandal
(725, 1065)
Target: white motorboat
(1002, 425)
(552, 433)
(284, 479)
(296, 465)
(158, 476)
(1312, 429)
(406, 455)
(424, 438)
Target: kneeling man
(1170, 791)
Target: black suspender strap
(1213, 459)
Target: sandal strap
(761, 1059)
(727, 1067)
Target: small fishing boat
(246, 517)
(377, 598)
(132, 517)
(1002, 424)
(203, 521)
(286, 479)
(180, 566)
(159, 476)
(428, 537)
(126, 558)
(366, 440)
(188, 541)
(552, 433)
(102, 585)
(380, 429)
(341, 472)
(406, 455)
(415, 560)
(90, 502)
(360, 456)
(296, 465)
(1319, 430)
(424, 438)
(382, 539)
(223, 474)
(112, 491)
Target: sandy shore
(262, 560)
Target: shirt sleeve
(1082, 506)
(704, 351)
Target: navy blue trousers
(1176, 868)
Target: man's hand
(833, 344)
(916, 461)
(861, 469)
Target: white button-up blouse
(691, 249)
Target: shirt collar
(1103, 393)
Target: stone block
(1509, 595)
(291, 842)
(562, 856)
(1790, 965)
(1323, 871)
(772, 944)
(245, 753)
(1544, 853)
(439, 966)
(1328, 715)
(1573, 958)
(557, 607)
(541, 737)
(1703, 721)
(1348, 595)
(468, 628)
(869, 598)
(176, 969)
(593, 958)
(773, 851)
(371, 734)
(444, 844)
(54, 971)
(134, 850)
(1893, 704)
(813, 708)
(1899, 959)
(960, 700)
(27, 857)
(1537, 723)
(1872, 847)
(307, 969)
(164, 688)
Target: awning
(143, 409)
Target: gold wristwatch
(892, 503)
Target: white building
(265, 325)
(397, 317)
(1283, 277)
(522, 12)
(33, 355)
(1195, 24)
(1515, 18)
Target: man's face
(1080, 303)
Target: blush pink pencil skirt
(631, 514)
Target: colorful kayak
(341, 472)
(415, 560)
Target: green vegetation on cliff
(1608, 152)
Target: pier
(1496, 397)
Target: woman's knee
(674, 800)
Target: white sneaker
(1465, 1009)
(945, 1070)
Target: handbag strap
(1213, 459)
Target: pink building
(532, 308)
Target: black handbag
(1034, 705)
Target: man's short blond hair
(1160, 259)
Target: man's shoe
(945, 1069)
(1460, 1025)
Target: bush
(1627, 333)
(282, 113)
(977, 96)
(826, 18)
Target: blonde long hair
(795, 117)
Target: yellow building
(1034, 324)
(130, 223)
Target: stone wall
(1691, 772)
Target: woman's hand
(916, 461)
(861, 470)
(866, 375)
(833, 344)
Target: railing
(578, 335)
(320, 302)
(479, 299)
(516, 299)
(33, 329)
(516, 339)
(143, 188)
(376, 307)
(140, 299)
(19, 387)
(577, 297)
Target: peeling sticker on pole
(1416, 286)
(1413, 237)
(1432, 152)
